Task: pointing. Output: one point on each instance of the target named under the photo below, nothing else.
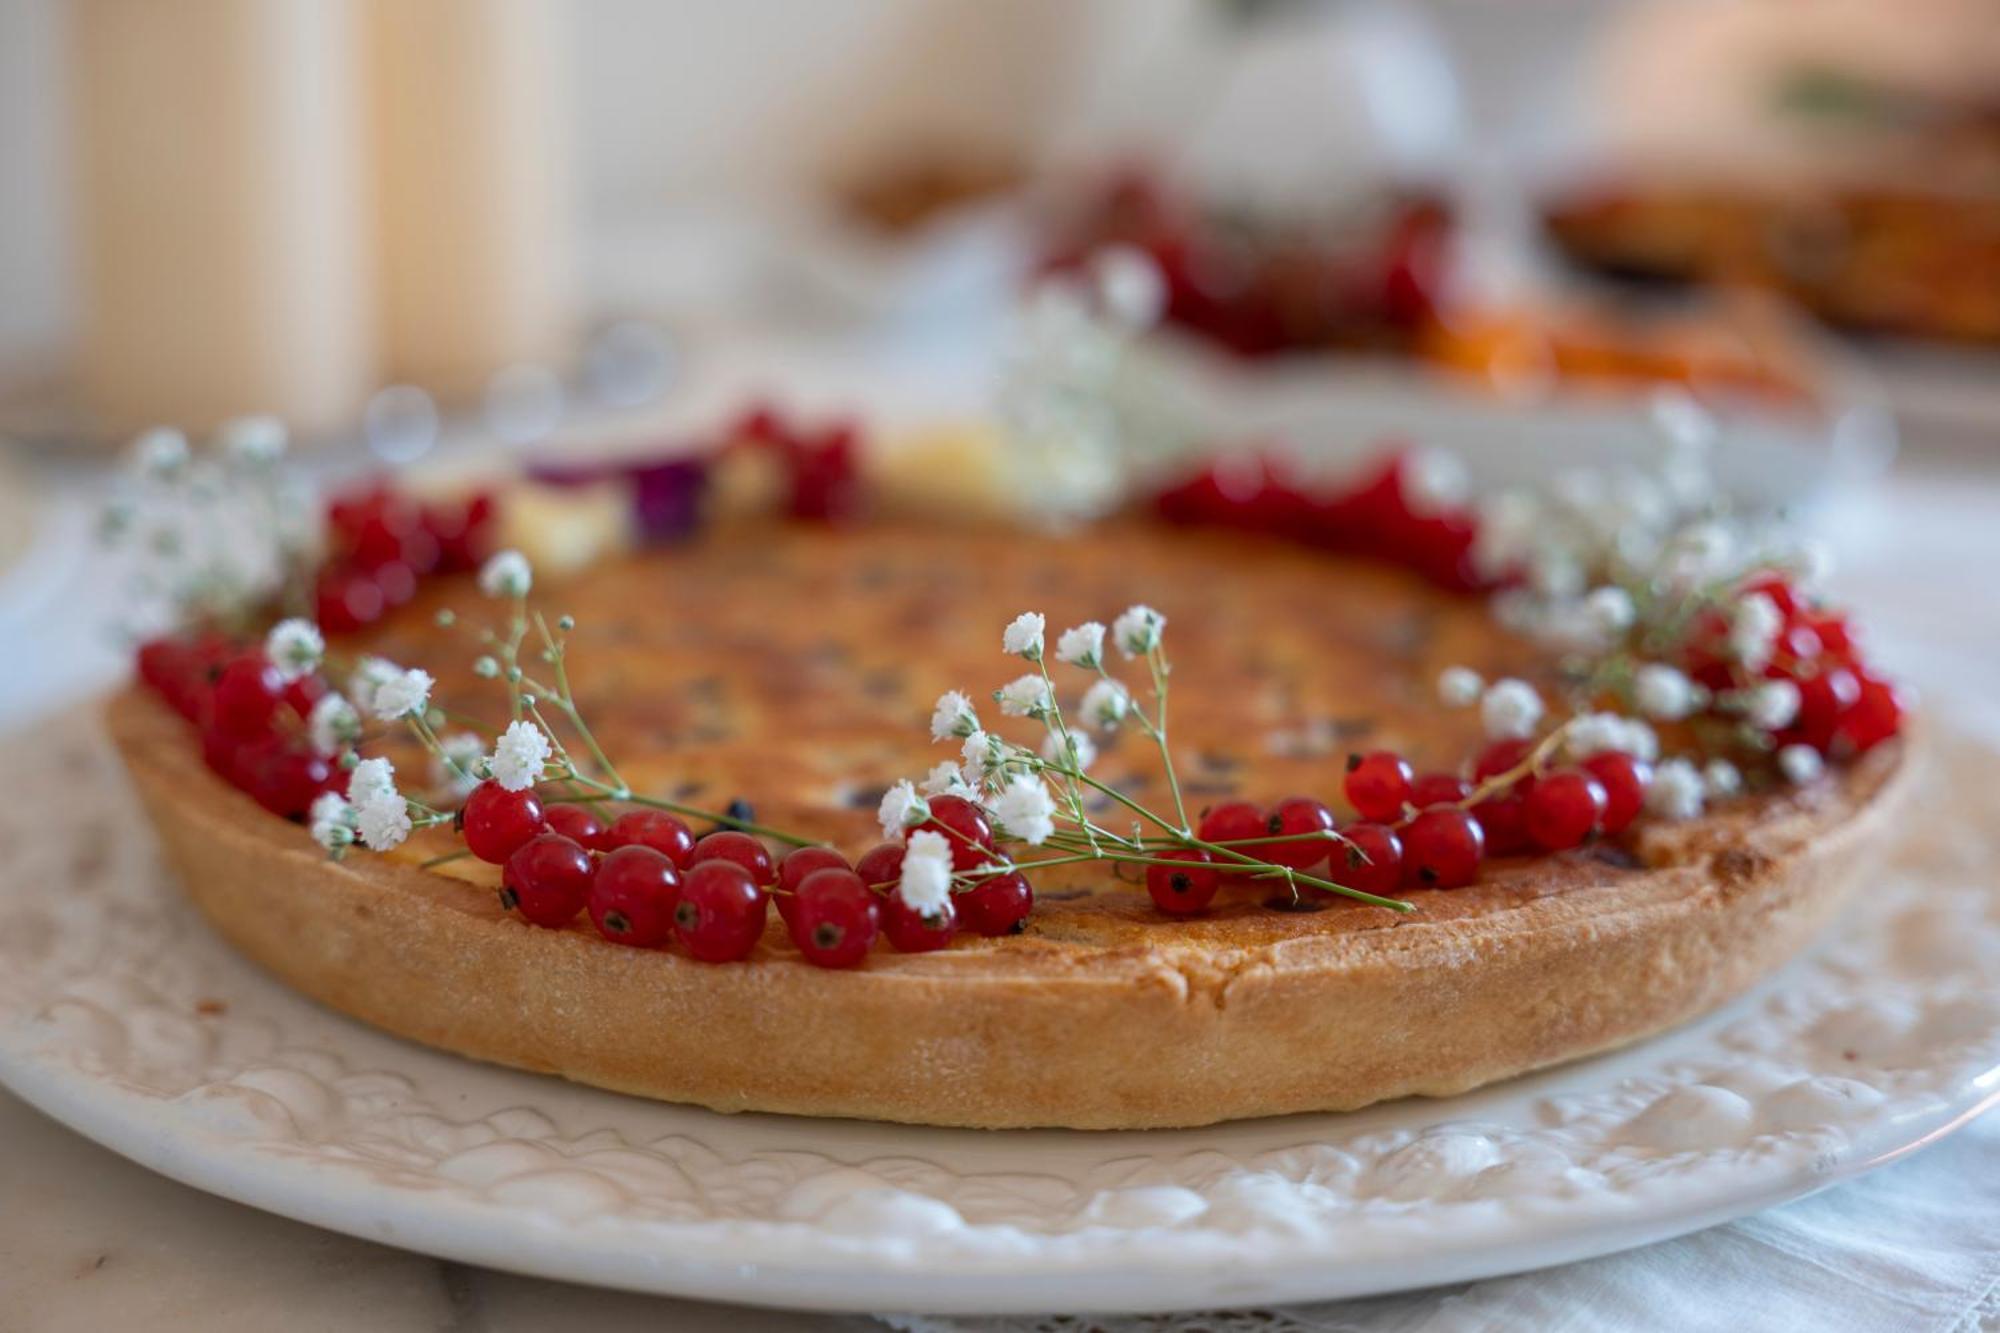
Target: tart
(783, 663)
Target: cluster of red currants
(645, 880)
(252, 721)
(381, 543)
(822, 467)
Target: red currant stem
(445, 859)
(1156, 662)
(563, 699)
(1330, 835)
(1256, 869)
(1499, 782)
(600, 791)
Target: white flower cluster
(520, 755)
(294, 647)
(381, 814)
(506, 574)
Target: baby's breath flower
(1609, 611)
(1433, 480)
(162, 454)
(1753, 630)
(1460, 687)
(294, 647)
(1105, 704)
(901, 809)
(259, 439)
(1129, 287)
(1663, 692)
(1082, 645)
(1079, 753)
(333, 725)
(1594, 733)
(1800, 764)
(946, 780)
(506, 574)
(1137, 631)
(519, 755)
(953, 716)
(406, 694)
(1721, 779)
(1023, 638)
(1510, 709)
(1639, 739)
(371, 778)
(1025, 810)
(485, 666)
(925, 886)
(370, 673)
(1772, 704)
(1676, 790)
(1025, 696)
(331, 822)
(457, 768)
(383, 821)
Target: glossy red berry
(1877, 715)
(225, 754)
(998, 906)
(1504, 822)
(547, 880)
(1776, 587)
(1438, 789)
(1502, 757)
(1378, 784)
(1564, 809)
(1442, 847)
(913, 932)
(303, 693)
(1824, 698)
(633, 896)
(1836, 637)
(579, 824)
(285, 779)
(792, 872)
(741, 848)
(656, 829)
(836, 918)
(497, 822)
(1186, 887)
(1371, 859)
(1297, 815)
(963, 825)
(1232, 821)
(1624, 779)
(720, 915)
(247, 695)
(881, 866)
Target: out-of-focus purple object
(667, 496)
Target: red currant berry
(633, 896)
(579, 824)
(1438, 789)
(226, 755)
(1503, 757)
(998, 906)
(1835, 635)
(744, 850)
(656, 829)
(835, 919)
(792, 872)
(1565, 809)
(303, 693)
(881, 866)
(1378, 784)
(720, 916)
(1186, 887)
(1504, 821)
(1371, 860)
(913, 932)
(247, 695)
(497, 822)
(346, 599)
(547, 880)
(1775, 587)
(1624, 780)
(1301, 815)
(178, 673)
(963, 825)
(1232, 821)
(1876, 715)
(1442, 847)
(286, 780)
(396, 581)
(1824, 698)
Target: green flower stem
(600, 791)
(1158, 667)
(445, 859)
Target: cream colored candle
(224, 225)
(470, 137)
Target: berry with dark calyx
(793, 869)
(1565, 809)
(1624, 779)
(247, 695)
(633, 895)
(836, 918)
(1301, 815)
(1504, 822)
(1186, 887)
(1442, 847)
(721, 912)
(1438, 789)
(547, 880)
(1371, 859)
(1232, 821)
(741, 848)
(965, 827)
(996, 906)
(656, 829)
(578, 823)
(910, 931)
(496, 822)
(1876, 715)
(881, 866)
(1378, 784)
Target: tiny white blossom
(1023, 637)
(506, 574)
(1081, 750)
(1753, 630)
(1609, 611)
(457, 770)
(1025, 696)
(946, 780)
(370, 673)
(1129, 287)
(1081, 645)
(1663, 692)
(1812, 562)
(384, 821)
(925, 886)
(1510, 709)
(953, 716)
(162, 453)
(333, 725)
(1640, 740)
(371, 778)
(519, 755)
(1721, 779)
(331, 822)
(407, 694)
(901, 808)
(1433, 480)
(1105, 704)
(1595, 733)
(1772, 704)
(1800, 764)
(1460, 687)
(1025, 810)
(1676, 791)
(1137, 631)
(258, 439)
(294, 647)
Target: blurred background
(1532, 232)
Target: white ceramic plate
(122, 1015)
